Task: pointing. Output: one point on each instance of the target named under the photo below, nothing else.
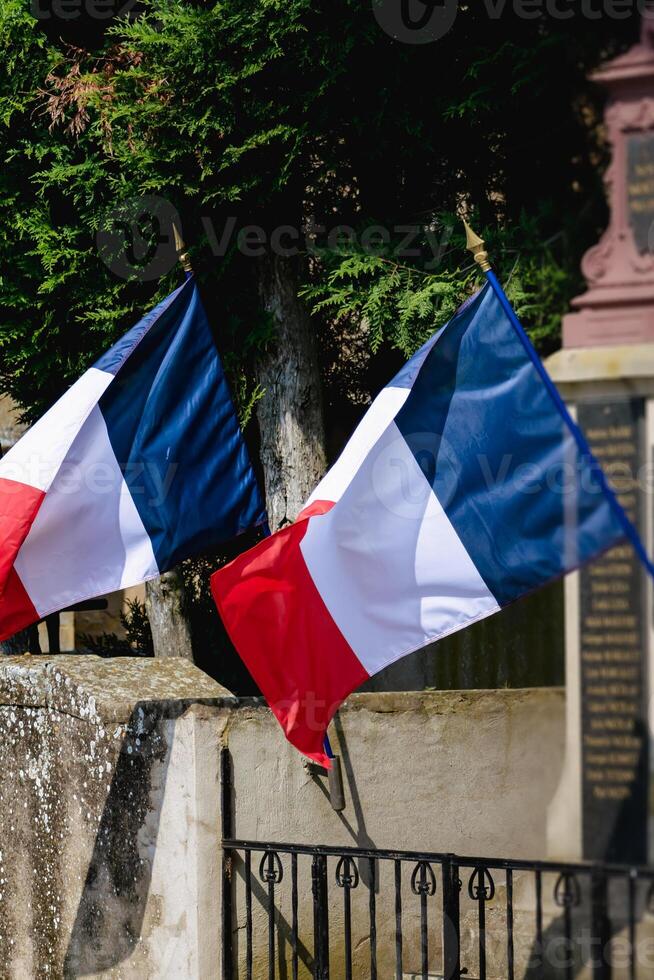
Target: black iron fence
(582, 917)
(295, 911)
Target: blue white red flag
(140, 464)
(465, 486)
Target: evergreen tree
(281, 115)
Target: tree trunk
(164, 601)
(290, 412)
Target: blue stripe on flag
(113, 359)
(175, 434)
(505, 466)
(407, 374)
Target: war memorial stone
(605, 371)
(640, 188)
(612, 639)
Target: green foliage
(136, 624)
(212, 650)
(269, 111)
(137, 641)
(404, 304)
(59, 305)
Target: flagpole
(477, 246)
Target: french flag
(465, 486)
(140, 464)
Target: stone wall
(110, 803)
(456, 771)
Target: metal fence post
(600, 926)
(227, 829)
(451, 925)
(320, 917)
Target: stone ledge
(576, 364)
(447, 702)
(93, 688)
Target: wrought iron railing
(575, 926)
(296, 911)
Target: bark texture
(164, 600)
(290, 413)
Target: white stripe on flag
(88, 538)
(387, 562)
(37, 456)
(382, 411)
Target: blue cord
(630, 531)
(328, 748)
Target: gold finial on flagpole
(475, 244)
(180, 248)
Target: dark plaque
(613, 630)
(640, 188)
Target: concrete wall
(110, 804)
(462, 771)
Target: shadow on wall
(282, 927)
(112, 906)
(357, 831)
(582, 943)
(254, 872)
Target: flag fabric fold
(139, 464)
(464, 487)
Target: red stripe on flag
(317, 507)
(16, 608)
(285, 635)
(19, 505)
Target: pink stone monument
(618, 307)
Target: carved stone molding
(630, 116)
(597, 259)
(619, 304)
